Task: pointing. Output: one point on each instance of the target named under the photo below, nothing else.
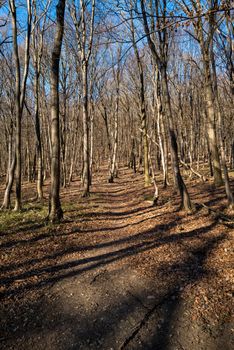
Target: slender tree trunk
(55, 210)
(91, 144)
(64, 144)
(86, 146)
(10, 153)
(144, 122)
(184, 195)
(143, 107)
(10, 180)
(38, 144)
(232, 155)
(20, 89)
(139, 165)
(113, 169)
(104, 115)
(160, 126)
(156, 190)
(132, 160)
(113, 165)
(228, 190)
(18, 110)
(211, 132)
(145, 144)
(73, 153)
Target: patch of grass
(148, 197)
(69, 206)
(30, 214)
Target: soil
(119, 273)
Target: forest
(116, 174)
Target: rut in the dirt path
(119, 274)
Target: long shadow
(142, 235)
(73, 232)
(88, 217)
(93, 216)
(133, 212)
(37, 238)
(28, 226)
(105, 326)
(69, 269)
(158, 328)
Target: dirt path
(118, 274)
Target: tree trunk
(160, 126)
(91, 145)
(113, 168)
(18, 110)
(145, 142)
(10, 175)
(20, 89)
(142, 106)
(184, 195)
(39, 145)
(55, 210)
(211, 132)
(86, 153)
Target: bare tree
(142, 103)
(161, 60)
(84, 29)
(117, 76)
(37, 46)
(55, 210)
(20, 89)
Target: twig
(188, 166)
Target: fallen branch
(188, 166)
(218, 213)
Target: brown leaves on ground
(189, 257)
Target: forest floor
(118, 273)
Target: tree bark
(55, 209)
(38, 144)
(184, 195)
(211, 132)
(20, 89)
(11, 173)
(17, 109)
(113, 169)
